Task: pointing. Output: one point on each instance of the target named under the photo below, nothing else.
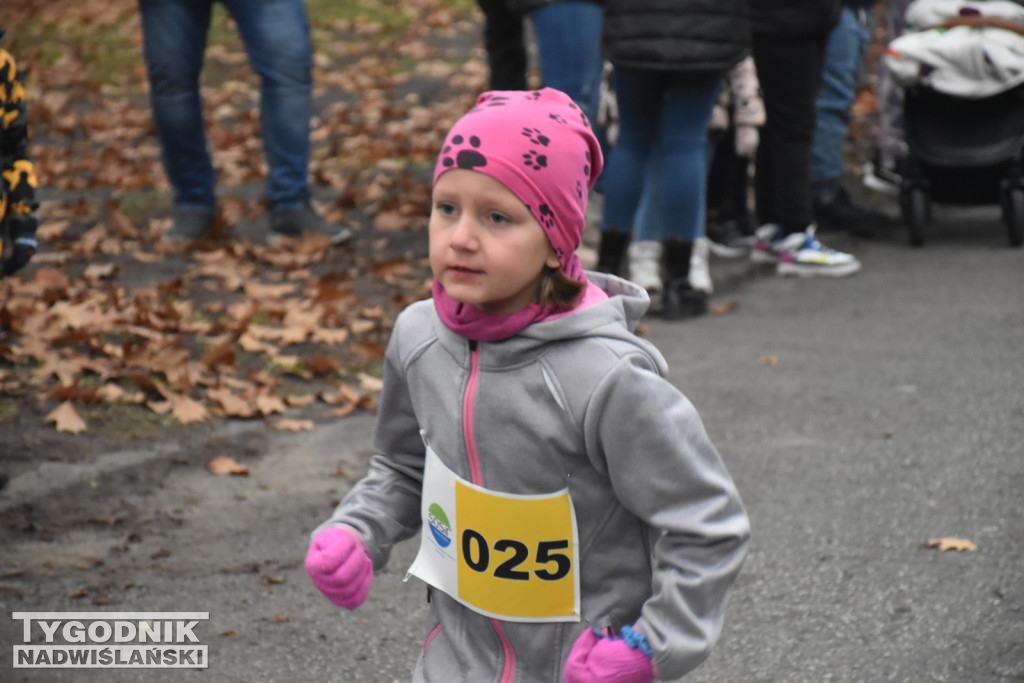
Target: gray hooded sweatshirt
(578, 403)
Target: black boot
(611, 250)
(679, 300)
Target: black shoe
(191, 224)
(838, 212)
(611, 250)
(679, 300)
(727, 240)
(293, 222)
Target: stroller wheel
(915, 206)
(1013, 215)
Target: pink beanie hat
(538, 144)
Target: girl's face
(486, 248)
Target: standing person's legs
(505, 46)
(174, 42)
(277, 38)
(684, 144)
(790, 72)
(682, 188)
(639, 95)
(892, 146)
(844, 56)
(569, 43)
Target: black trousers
(728, 184)
(790, 71)
(504, 41)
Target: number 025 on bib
(507, 556)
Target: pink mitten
(598, 659)
(340, 567)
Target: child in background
(18, 204)
(575, 520)
(735, 121)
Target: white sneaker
(802, 254)
(765, 241)
(645, 264)
(700, 274)
(880, 180)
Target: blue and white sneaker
(801, 254)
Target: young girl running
(575, 521)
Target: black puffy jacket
(527, 6)
(794, 18)
(676, 35)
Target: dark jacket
(527, 6)
(676, 35)
(794, 18)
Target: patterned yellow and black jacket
(17, 173)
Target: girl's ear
(552, 260)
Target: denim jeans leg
(569, 43)
(649, 223)
(684, 142)
(174, 42)
(639, 94)
(844, 56)
(277, 37)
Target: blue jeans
(663, 138)
(276, 37)
(569, 43)
(844, 56)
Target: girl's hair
(558, 289)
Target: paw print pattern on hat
(534, 160)
(465, 158)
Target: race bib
(507, 556)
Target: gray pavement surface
(860, 418)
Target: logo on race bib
(440, 528)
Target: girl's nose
(464, 233)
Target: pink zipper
(430, 636)
(468, 414)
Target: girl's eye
(498, 218)
(446, 208)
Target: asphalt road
(860, 418)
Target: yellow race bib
(512, 557)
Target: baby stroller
(963, 151)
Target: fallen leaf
(292, 425)
(222, 465)
(727, 307)
(370, 383)
(186, 409)
(67, 419)
(299, 400)
(268, 404)
(951, 543)
(768, 360)
(231, 404)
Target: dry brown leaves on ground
(108, 313)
